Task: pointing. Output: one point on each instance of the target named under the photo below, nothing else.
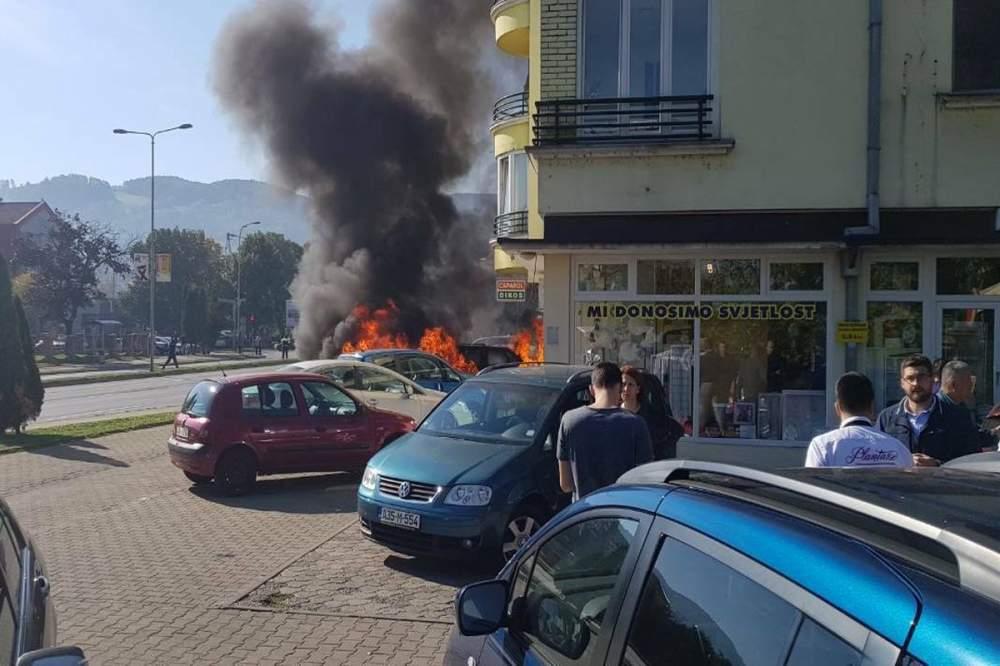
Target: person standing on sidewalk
(934, 430)
(171, 352)
(958, 388)
(601, 441)
(256, 344)
(856, 443)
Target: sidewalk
(68, 374)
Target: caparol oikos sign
(686, 311)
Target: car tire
(522, 523)
(198, 479)
(236, 472)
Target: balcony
(625, 121)
(511, 225)
(510, 124)
(511, 19)
(510, 107)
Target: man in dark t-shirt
(600, 442)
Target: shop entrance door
(969, 333)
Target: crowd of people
(930, 425)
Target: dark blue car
(425, 369)
(698, 563)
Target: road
(92, 401)
(146, 569)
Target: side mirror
(60, 656)
(481, 607)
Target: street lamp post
(239, 314)
(152, 263)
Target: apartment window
(512, 183)
(976, 49)
(645, 48)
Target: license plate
(404, 519)
(182, 432)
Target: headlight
(469, 496)
(370, 478)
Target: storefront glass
(602, 277)
(968, 276)
(797, 276)
(730, 277)
(895, 276)
(762, 364)
(896, 332)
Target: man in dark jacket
(934, 430)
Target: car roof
(258, 377)
(943, 521)
(544, 374)
(383, 352)
(319, 364)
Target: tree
(16, 406)
(198, 324)
(197, 263)
(268, 262)
(64, 265)
(34, 391)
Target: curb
(192, 369)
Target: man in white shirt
(856, 443)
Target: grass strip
(74, 432)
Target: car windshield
(198, 402)
(492, 412)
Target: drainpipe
(850, 263)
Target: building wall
(790, 78)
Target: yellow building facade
(717, 189)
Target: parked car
(234, 429)
(699, 563)
(27, 616)
(375, 385)
(425, 369)
(479, 476)
(484, 355)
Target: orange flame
(528, 344)
(376, 331)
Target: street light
(151, 274)
(239, 316)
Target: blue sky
(72, 71)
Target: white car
(375, 386)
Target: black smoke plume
(374, 137)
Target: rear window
(198, 402)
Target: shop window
(763, 371)
(655, 336)
(665, 278)
(602, 277)
(968, 276)
(977, 50)
(797, 277)
(730, 277)
(895, 276)
(896, 332)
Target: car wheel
(236, 472)
(198, 479)
(522, 524)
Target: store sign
(164, 267)
(512, 291)
(140, 264)
(688, 311)
(852, 332)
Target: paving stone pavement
(146, 569)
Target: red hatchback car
(233, 429)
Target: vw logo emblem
(404, 489)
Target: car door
(547, 474)
(10, 578)
(379, 389)
(276, 427)
(343, 437)
(566, 590)
(693, 600)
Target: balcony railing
(510, 107)
(509, 225)
(627, 120)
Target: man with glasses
(934, 430)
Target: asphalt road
(109, 399)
